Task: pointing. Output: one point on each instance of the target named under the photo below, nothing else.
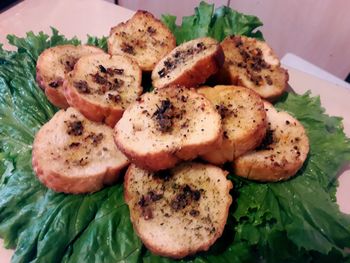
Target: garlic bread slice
(166, 126)
(253, 64)
(102, 86)
(181, 211)
(282, 152)
(243, 119)
(189, 64)
(52, 66)
(143, 37)
(74, 155)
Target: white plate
(336, 100)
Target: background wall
(318, 31)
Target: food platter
(334, 99)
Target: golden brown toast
(74, 155)
(181, 211)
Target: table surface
(70, 17)
(96, 17)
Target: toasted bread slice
(189, 64)
(178, 212)
(74, 155)
(166, 126)
(143, 37)
(52, 66)
(243, 119)
(253, 64)
(101, 86)
(282, 152)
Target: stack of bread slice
(175, 136)
(54, 64)
(102, 86)
(282, 152)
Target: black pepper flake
(142, 201)
(184, 198)
(200, 45)
(168, 64)
(164, 115)
(223, 110)
(83, 161)
(114, 98)
(115, 71)
(267, 141)
(194, 213)
(268, 80)
(184, 98)
(256, 79)
(225, 135)
(145, 202)
(82, 86)
(75, 128)
(127, 48)
(56, 83)
(241, 65)
(163, 175)
(102, 69)
(95, 138)
(74, 144)
(97, 78)
(69, 63)
(151, 30)
(117, 83)
(162, 73)
(154, 197)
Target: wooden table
(96, 17)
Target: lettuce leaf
(45, 226)
(293, 221)
(218, 24)
(98, 42)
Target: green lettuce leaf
(218, 24)
(293, 221)
(45, 226)
(98, 42)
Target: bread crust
(194, 175)
(144, 38)
(52, 66)
(76, 163)
(140, 137)
(243, 118)
(94, 103)
(253, 64)
(282, 154)
(194, 71)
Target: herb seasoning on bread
(53, 65)
(74, 155)
(181, 211)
